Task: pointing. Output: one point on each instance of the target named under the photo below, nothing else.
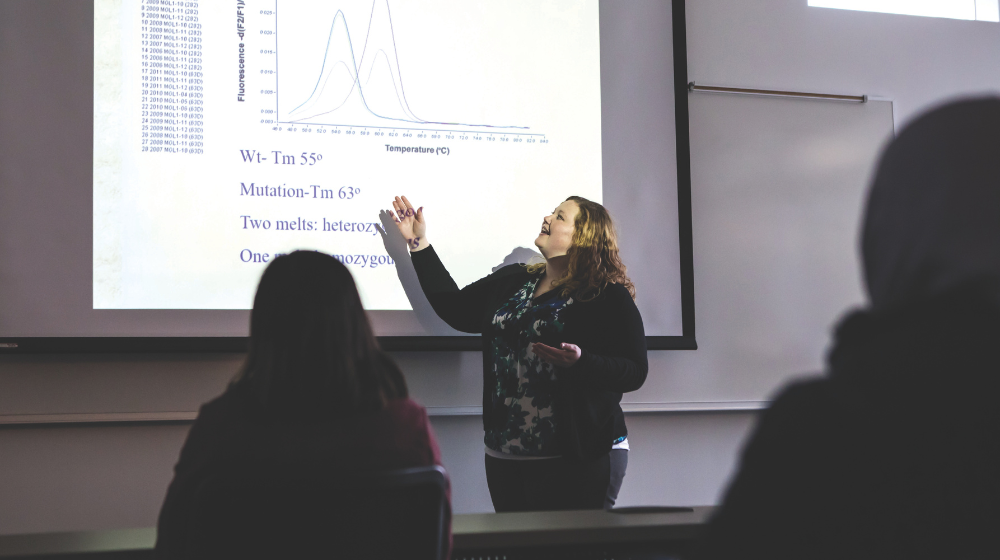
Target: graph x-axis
(408, 128)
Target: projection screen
(198, 140)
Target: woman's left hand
(564, 356)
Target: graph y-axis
(276, 114)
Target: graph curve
(354, 71)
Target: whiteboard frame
(188, 417)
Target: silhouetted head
(932, 224)
(312, 350)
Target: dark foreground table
(496, 536)
(577, 534)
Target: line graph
(348, 89)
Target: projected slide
(226, 133)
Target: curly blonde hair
(593, 258)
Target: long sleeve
(619, 363)
(171, 534)
(767, 509)
(432, 445)
(463, 309)
(200, 449)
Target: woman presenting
(561, 342)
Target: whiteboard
(777, 190)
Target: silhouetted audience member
(316, 391)
(896, 452)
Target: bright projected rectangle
(145, 222)
(981, 10)
(226, 133)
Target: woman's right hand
(411, 224)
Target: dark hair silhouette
(312, 351)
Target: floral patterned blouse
(525, 382)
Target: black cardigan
(608, 329)
(894, 454)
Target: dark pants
(556, 484)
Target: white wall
(94, 477)
(784, 44)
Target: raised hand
(410, 222)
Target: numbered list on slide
(171, 97)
